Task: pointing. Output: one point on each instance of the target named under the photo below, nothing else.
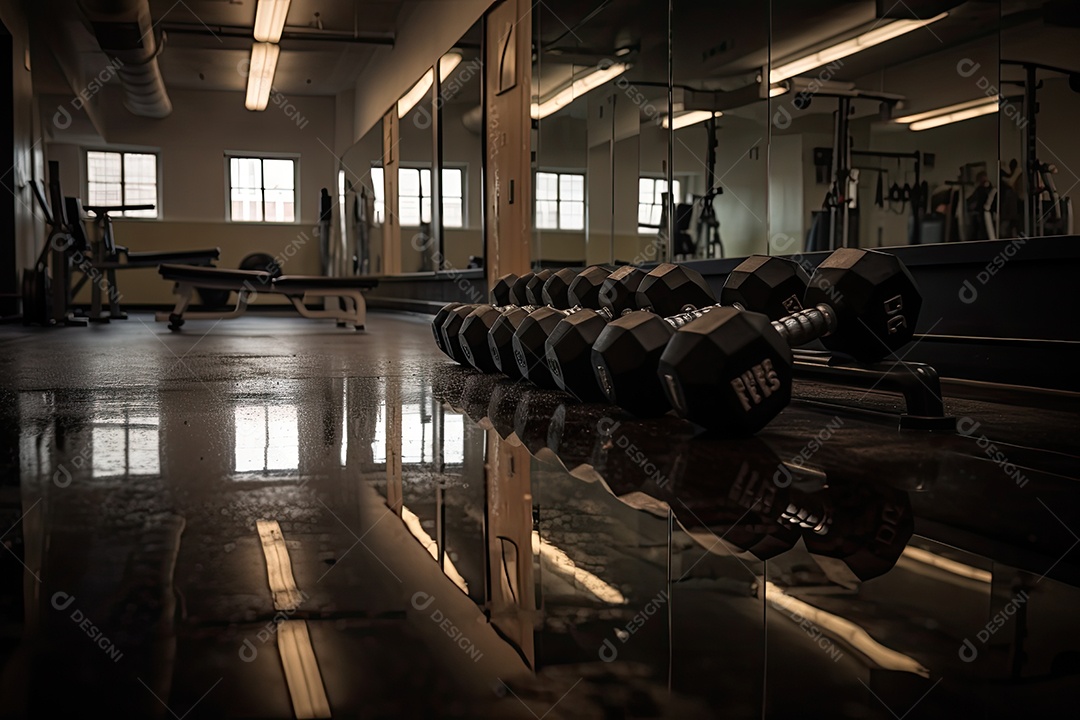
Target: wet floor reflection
(519, 552)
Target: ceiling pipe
(125, 32)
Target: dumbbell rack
(918, 383)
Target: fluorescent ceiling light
(692, 117)
(953, 117)
(934, 560)
(842, 629)
(586, 82)
(949, 114)
(264, 57)
(270, 19)
(408, 101)
(560, 563)
(870, 38)
(777, 90)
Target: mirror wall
(438, 155)
(799, 126)
(702, 131)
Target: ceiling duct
(125, 32)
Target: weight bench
(108, 257)
(249, 283)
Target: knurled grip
(807, 325)
(683, 319)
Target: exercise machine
(1046, 211)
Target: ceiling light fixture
(270, 19)
(949, 114)
(693, 117)
(777, 90)
(868, 39)
(264, 57)
(408, 101)
(590, 80)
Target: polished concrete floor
(273, 517)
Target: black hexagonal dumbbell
(626, 353)
(455, 320)
(555, 293)
(531, 336)
(447, 323)
(617, 293)
(732, 371)
(477, 320)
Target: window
(418, 436)
(262, 189)
(122, 178)
(267, 439)
(414, 196)
(125, 446)
(560, 201)
(651, 203)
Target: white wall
(426, 30)
(191, 144)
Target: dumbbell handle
(602, 312)
(678, 321)
(804, 326)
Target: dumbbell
(617, 292)
(454, 314)
(567, 341)
(553, 291)
(620, 361)
(731, 370)
(507, 291)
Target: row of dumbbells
(659, 340)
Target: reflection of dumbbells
(732, 371)
(623, 360)
(737, 489)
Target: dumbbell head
(529, 346)
(625, 357)
(451, 329)
(774, 286)
(569, 354)
(618, 292)
(535, 286)
(728, 370)
(670, 289)
(473, 337)
(437, 323)
(871, 527)
(501, 341)
(519, 290)
(501, 291)
(585, 289)
(556, 291)
(875, 299)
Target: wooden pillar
(511, 573)
(508, 138)
(391, 231)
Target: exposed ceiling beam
(244, 31)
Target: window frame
(559, 172)
(122, 150)
(642, 230)
(261, 156)
(461, 168)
